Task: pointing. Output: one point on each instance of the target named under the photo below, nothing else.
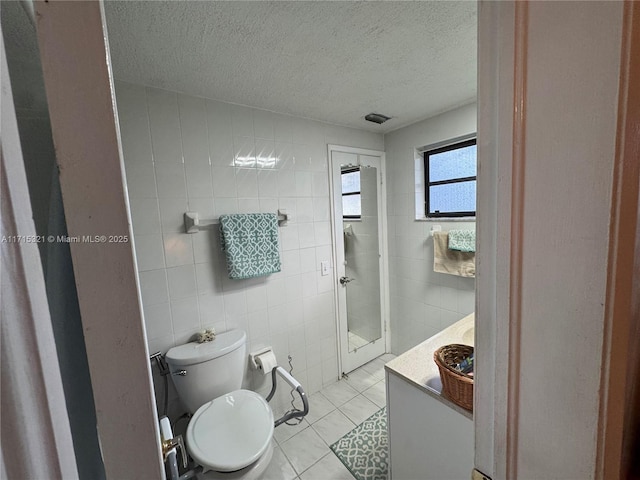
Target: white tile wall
(422, 302)
(185, 153)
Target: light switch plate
(324, 268)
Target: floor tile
(301, 452)
(329, 467)
(377, 394)
(284, 432)
(279, 468)
(359, 409)
(304, 449)
(333, 426)
(361, 379)
(339, 393)
(375, 367)
(319, 406)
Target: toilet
(230, 432)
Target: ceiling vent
(376, 118)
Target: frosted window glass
(453, 197)
(351, 205)
(351, 182)
(458, 163)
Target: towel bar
(193, 223)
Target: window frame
(428, 184)
(359, 192)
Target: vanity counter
(430, 437)
(416, 366)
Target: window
(450, 180)
(351, 199)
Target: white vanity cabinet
(429, 437)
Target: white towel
(452, 262)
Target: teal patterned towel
(462, 240)
(250, 243)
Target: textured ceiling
(330, 61)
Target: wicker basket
(456, 386)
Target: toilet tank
(204, 371)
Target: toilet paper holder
(253, 355)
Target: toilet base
(251, 472)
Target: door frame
(76, 66)
(384, 270)
(503, 44)
(496, 59)
(619, 416)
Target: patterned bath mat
(364, 449)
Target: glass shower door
(358, 234)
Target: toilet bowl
(252, 472)
(231, 430)
(230, 436)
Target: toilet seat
(230, 432)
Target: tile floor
(302, 452)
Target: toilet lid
(230, 432)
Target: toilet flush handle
(175, 442)
(182, 373)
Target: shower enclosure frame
(348, 361)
